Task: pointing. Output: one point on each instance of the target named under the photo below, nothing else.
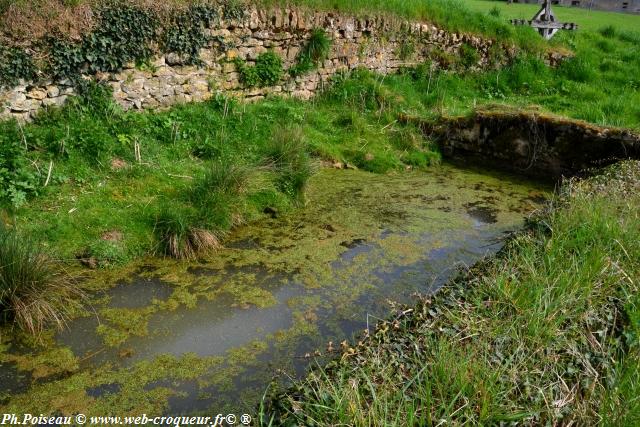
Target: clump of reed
(197, 224)
(287, 152)
(33, 291)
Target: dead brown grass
(25, 22)
(196, 241)
(37, 307)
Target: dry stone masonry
(373, 43)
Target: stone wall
(529, 142)
(373, 43)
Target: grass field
(588, 20)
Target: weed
(577, 69)
(221, 176)
(313, 53)
(18, 181)
(267, 70)
(179, 235)
(609, 31)
(469, 55)
(407, 50)
(107, 253)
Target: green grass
(354, 122)
(289, 155)
(452, 15)
(546, 333)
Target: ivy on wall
(124, 33)
(186, 36)
(15, 64)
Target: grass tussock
(196, 223)
(547, 333)
(179, 234)
(288, 153)
(33, 293)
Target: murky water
(209, 336)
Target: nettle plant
(267, 70)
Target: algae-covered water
(167, 337)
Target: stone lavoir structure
(381, 44)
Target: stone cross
(545, 22)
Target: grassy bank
(546, 333)
(107, 186)
(68, 17)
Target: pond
(169, 337)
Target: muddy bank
(529, 142)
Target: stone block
(37, 93)
(54, 101)
(292, 53)
(25, 106)
(15, 97)
(53, 91)
(302, 94)
(254, 19)
(150, 103)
